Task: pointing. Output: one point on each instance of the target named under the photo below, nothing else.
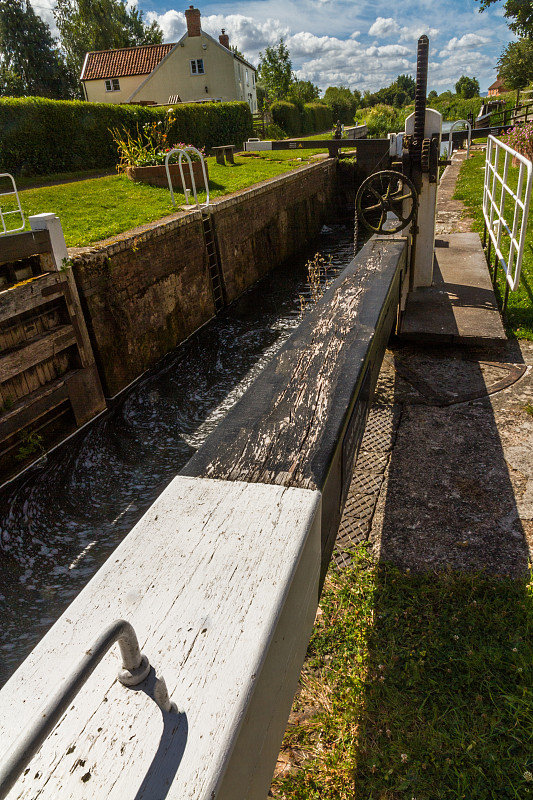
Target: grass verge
(519, 317)
(95, 209)
(416, 687)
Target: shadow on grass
(423, 659)
(447, 704)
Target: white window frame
(195, 66)
(112, 85)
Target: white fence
(505, 209)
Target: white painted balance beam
(220, 582)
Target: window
(197, 66)
(247, 78)
(112, 85)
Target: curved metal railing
(184, 151)
(135, 668)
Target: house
(196, 69)
(496, 88)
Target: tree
(235, 49)
(515, 65)
(301, 92)
(30, 63)
(275, 71)
(467, 87)
(86, 25)
(519, 11)
(343, 103)
(407, 84)
(400, 93)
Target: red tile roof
(127, 61)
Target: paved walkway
(445, 473)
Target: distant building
(198, 68)
(496, 88)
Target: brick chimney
(192, 15)
(224, 39)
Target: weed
(317, 273)
(31, 443)
(529, 409)
(9, 402)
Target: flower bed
(157, 175)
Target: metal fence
(13, 206)
(506, 197)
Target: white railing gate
(508, 239)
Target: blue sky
(363, 45)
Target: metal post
(504, 306)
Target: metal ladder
(215, 271)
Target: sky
(364, 45)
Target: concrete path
(444, 478)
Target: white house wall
(96, 91)
(174, 77)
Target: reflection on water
(61, 519)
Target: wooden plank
(22, 245)
(35, 351)
(220, 582)
(35, 405)
(292, 426)
(85, 394)
(19, 299)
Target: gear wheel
(386, 202)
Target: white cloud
(413, 33)
(467, 42)
(384, 27)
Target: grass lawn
(519, 317)
(97, 208)
(425, 688)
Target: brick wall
(146, 291)
(262, 227)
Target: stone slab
(460, 306)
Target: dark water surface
(61, 520)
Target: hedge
(287, 116)
(40, 136)
(312, 118)
(317, 118)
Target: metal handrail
(135, 668)
(8, 213)
(184, 151)
(450, 137)
(494, 210)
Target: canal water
(61, 520)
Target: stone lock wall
(147, 290)
(266, 225)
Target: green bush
(287, 116)
(317, 118)
(383, 119)
(40, 136)
(275, 132)
(453, 106)
(311, 118)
